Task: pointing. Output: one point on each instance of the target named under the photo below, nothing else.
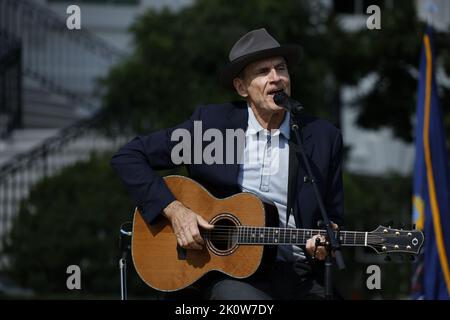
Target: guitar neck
(276, 236)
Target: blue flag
(431, 194)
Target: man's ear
(240, 87)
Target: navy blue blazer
(137, 163)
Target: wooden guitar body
(166, 267)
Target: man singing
(257, 70)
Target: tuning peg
(414, 226)
(412, 257)
(387, 258)
(401, 226)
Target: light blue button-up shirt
(264, 172)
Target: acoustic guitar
(242, 228)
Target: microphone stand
(332, 245)
(125, 247)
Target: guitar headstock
(390, 240)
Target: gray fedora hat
(256, 45)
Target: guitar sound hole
(223, 238)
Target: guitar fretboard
(275, 236)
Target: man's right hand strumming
(185, 224)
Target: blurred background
(70, 98)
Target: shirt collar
(255, 127)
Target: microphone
(283, 100)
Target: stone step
(23, 140)
(42, 109)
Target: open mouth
(273, 92)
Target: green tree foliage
(72, 218)
(370, 202)
(179, 55)
(392, 54)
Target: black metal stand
(332, 244)
(125, 247)
(123, 277)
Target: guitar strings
(375, 238)
(222, 227)
(233, 236)
(238, 241)
(233, 231)
(227, 229)
(357, 234)
(244, 234)
(304, 234)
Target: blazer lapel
(237, 119)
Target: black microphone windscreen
(280, 98)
